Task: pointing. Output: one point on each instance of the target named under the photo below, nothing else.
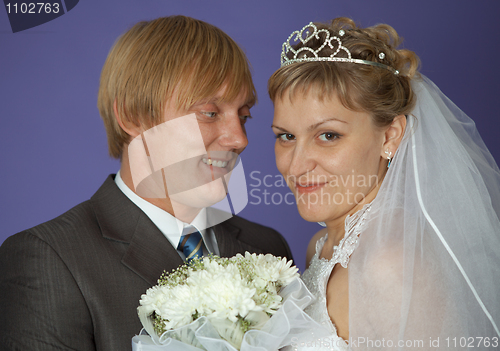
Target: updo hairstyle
(360, 87)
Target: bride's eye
(329, 136)
(284, 137)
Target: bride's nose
(302, 161)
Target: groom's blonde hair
(154, 59)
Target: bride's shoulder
(311, 248)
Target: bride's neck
(336, 227)
(336, 231)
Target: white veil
(426, 274)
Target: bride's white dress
(316, 278)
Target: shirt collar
(170, 226)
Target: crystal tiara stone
(306, 54)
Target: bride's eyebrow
(316, 125)
(282, 129)
(313, 126)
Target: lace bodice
(316, 277)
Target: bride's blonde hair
(359, 87)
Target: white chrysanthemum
(268, 268)
(287, 272)
(269, 302)
(178, 310)
(225, 294)
(267, 274)
(154, 297)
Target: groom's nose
(232, 134)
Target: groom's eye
(209, 114)
(245, 118)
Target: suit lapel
(149, 252)
(227, 236)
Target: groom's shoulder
(249, 226)
(80, 220)
(269, 239)
(63, 227)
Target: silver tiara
(306, 54)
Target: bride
(407, 191)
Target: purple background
(53, 144)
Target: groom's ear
(393, 135)
(128, 127)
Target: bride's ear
(393, 136)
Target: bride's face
(330, 156)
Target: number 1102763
(32, 7)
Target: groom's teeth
(216, 163)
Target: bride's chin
(310, 215)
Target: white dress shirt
(170, 226)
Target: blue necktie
(191, 244)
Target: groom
(75, 282)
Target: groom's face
(222, 130)
(221, 126)
(195, 148)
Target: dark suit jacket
(74, 283)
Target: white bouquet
(216, 303)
